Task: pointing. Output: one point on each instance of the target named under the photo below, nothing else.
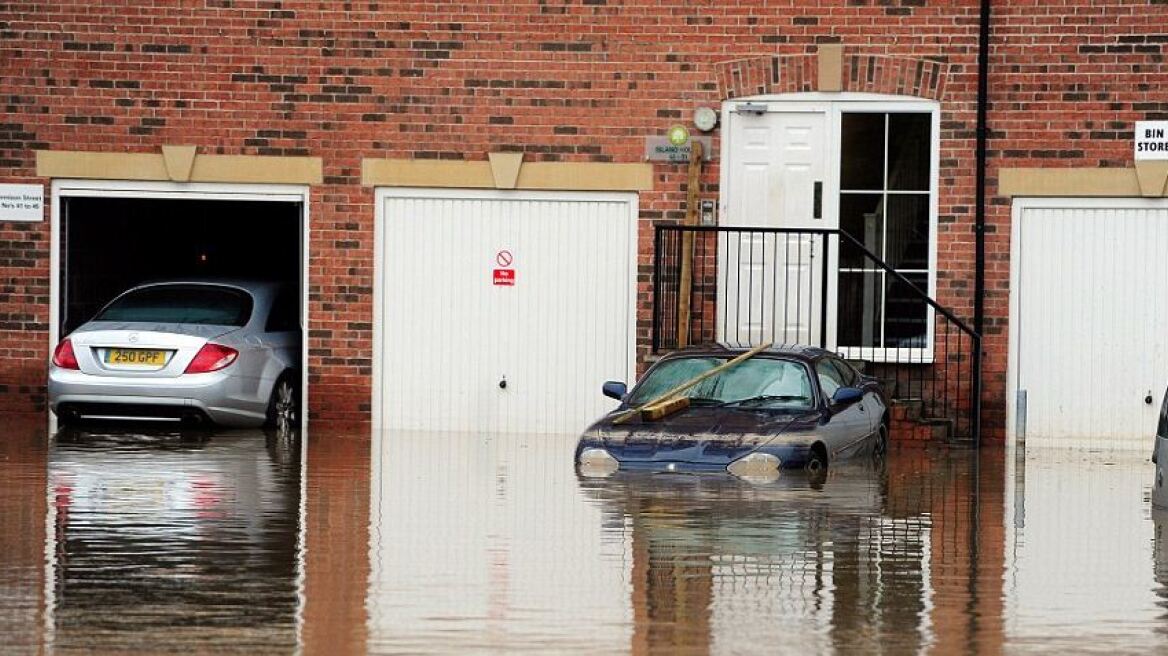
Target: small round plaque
(705, 119)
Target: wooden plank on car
(635, 412)
(664, 408)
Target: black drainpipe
(983, 74)
(983, 65)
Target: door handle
(817, 200)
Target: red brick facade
(560, 80)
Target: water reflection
(173, 538)
(23, 509)
(495, 542)
(796, 565)
(482, 543)
(1084, 567)
(447, 543)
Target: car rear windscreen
(192, 304)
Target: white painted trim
(830, 97)
(381, 194)
(834, 105)
(179, 191)
(1017, 211)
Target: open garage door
(502, 311)
(111, 236)
(1089, 363)
(111, 244)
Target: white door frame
(182, 191)
(1017, 212)
(382, 193)
(833, 105)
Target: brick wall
(560, 80)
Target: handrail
(950, 387)
(829, 231)
(899, 276)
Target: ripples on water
(426, 543)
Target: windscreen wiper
(763, 398)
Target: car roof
(732, 349)
(247, 284)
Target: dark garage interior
(111, 244)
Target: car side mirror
(615, 390)
(846, 396)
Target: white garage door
(1089, 309)
(503, 311)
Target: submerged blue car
(784, 407)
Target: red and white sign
(504, 258)
(505, 277)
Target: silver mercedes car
(192, 351)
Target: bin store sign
(1151, 140)
(22, 202)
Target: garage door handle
(503, 383)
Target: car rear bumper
(218, 396)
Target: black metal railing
(821, 288)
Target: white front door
(770, 285)
(503, 311)
(1088, 311)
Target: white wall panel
(450, 335)
(1091, 301)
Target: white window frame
(835, 105)
(182, 191)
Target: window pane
(759, 376)
(907, 241)
(829, 378)
(669, 375)
(847, 373)
(862, 152)
(203, 305)
(861, 297)
(906, 323)
(862, 217)
(909, 151)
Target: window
(885, 203)
(190, 304)
(829, 377)
(848, 375)
(766, 382)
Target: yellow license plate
(141, 357)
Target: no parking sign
(504, 276)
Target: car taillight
(212, 357)
(64, 357)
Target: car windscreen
(189, 304)
(758, 382)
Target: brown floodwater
(242, 541)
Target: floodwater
(114, 542)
